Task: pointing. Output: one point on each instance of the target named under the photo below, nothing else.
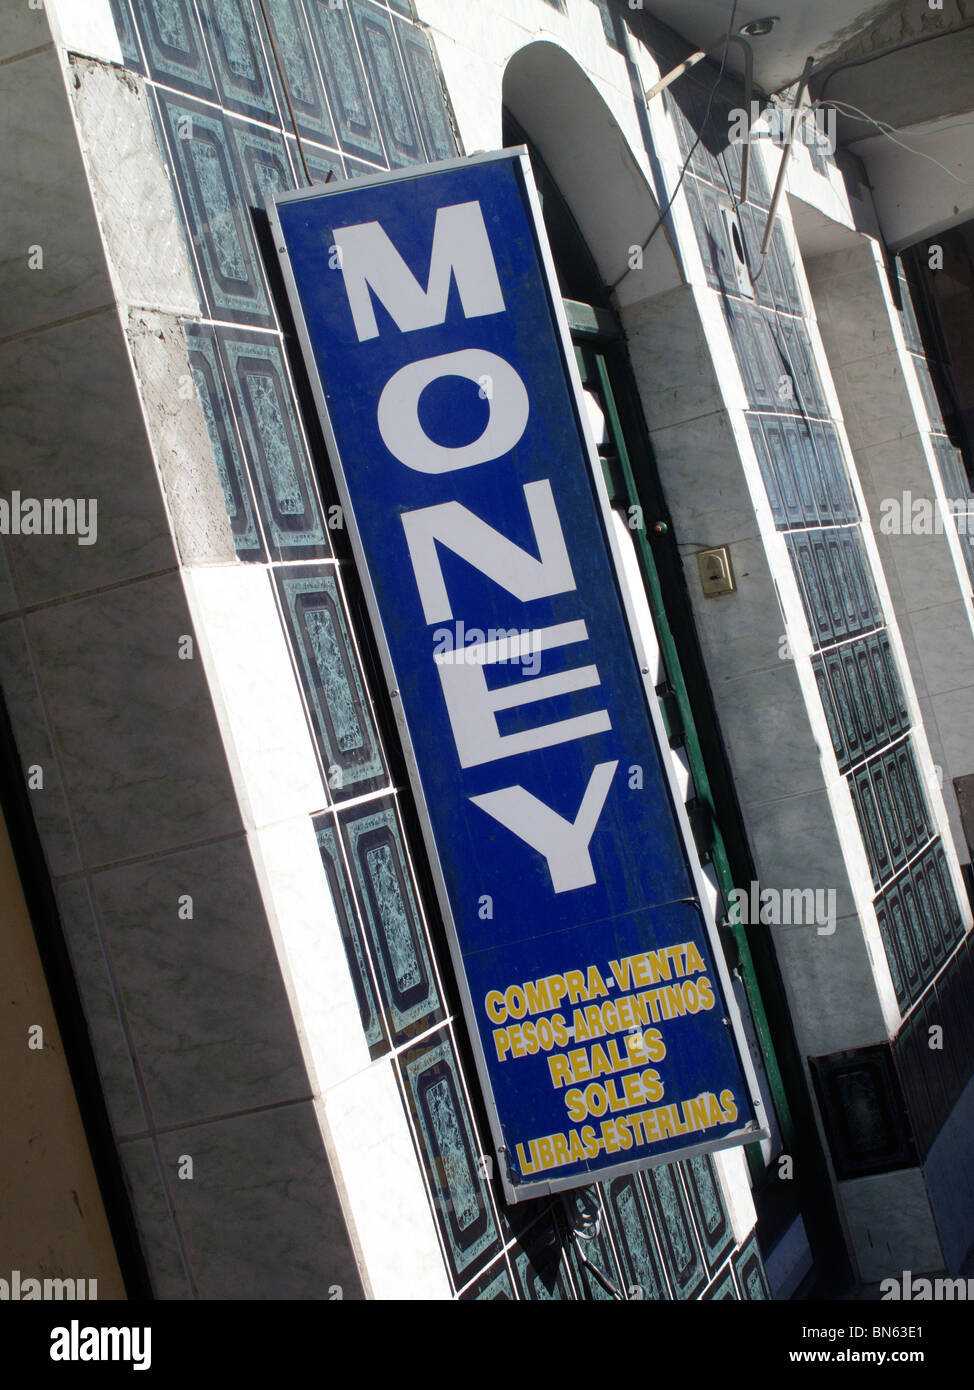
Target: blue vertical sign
(596, 996)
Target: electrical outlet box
(716, 574)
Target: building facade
(268, 1052)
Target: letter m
(59, 1289)
(461, 251)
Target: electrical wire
(686, 165)
(282, 75)
(891, 131)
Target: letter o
(596, 1100)
(517, 1005)
(398, 411)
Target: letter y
(563, 843)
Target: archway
(591, 161)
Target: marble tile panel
(942, 637)
(769, 473)
(797, 845)
(891, 1224)
(773, 293)
(876, 401)
(790, 301)
(812, 587)
(142, 755)
(835, 473)
(54, 259)
(954, 712)
(888, 470)
(858, 321)
(9, 602)
(783, 760)
(206, 1007)
(22, 28)
(902, 946)
(870, 817)
(370, 1135)
(671, 359)
(790, 462)
(261, 1217)
(752, 234)
(834, 694)
(103, 1011)
(159, 1234)
(830, 265)
(701, 471)
(832, 985)
(742, 631)
(925, 569)
(52, 814)
(711, 234)
(760, 368)
(800, 358)
(901, 837)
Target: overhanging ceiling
(807, 28)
